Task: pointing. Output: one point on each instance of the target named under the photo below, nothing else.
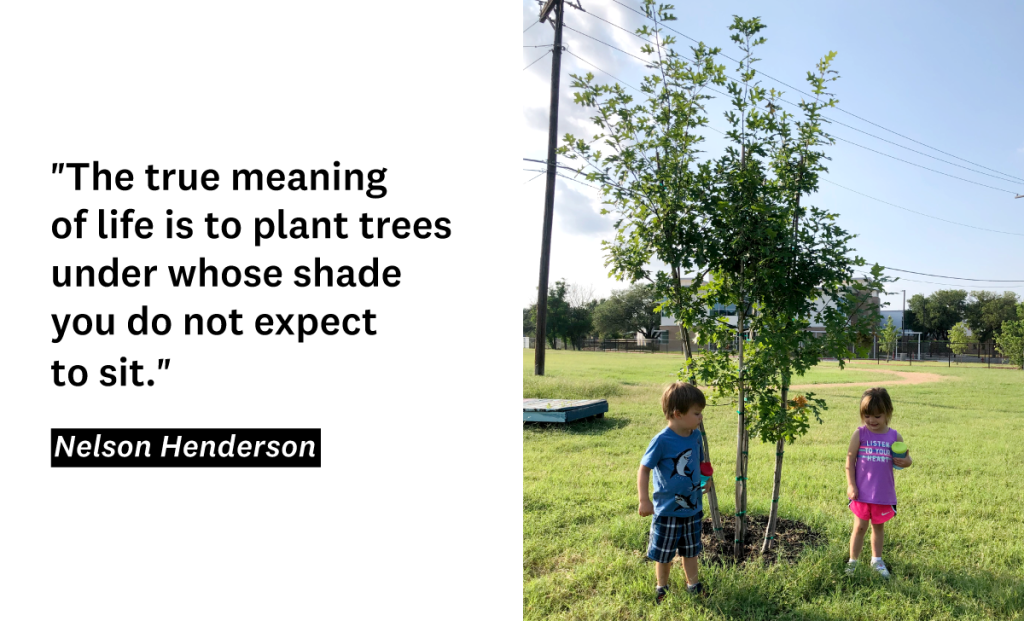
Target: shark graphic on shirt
(681, 464)
(686, 502)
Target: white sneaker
(879, 566)
(851, 566)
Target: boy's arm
(851, 466)
(643, 483)
(902, 462)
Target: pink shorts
(877, 514)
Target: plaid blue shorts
(671, 534)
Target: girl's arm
(902, 462)
(851, 466)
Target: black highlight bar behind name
(184, 448)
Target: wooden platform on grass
(562, 410)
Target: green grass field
(956, 549)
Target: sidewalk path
(907, 378)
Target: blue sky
(946, 74)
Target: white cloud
(578, 213)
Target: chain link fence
(650, 346)
(908, 351)
(946, 353)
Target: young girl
(869, 476)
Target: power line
(797, 106)
(836, 107)
(845, 188)
(893, 156)
(532, 178)
(946, 284)
(530, 26)
(895, 269)
(920, 166)
(526, 159)
(828, 180)
(986, 280)
(563, 177)
(971, 226)
(1011, 178)
(535, 62)
(645, 61)
(622, 28)
(604, 72)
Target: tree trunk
(740, 519)
(773, 515)
(716, 516)
(746, 459)
(780, 444)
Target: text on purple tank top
(875, 482)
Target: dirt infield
(907, 378)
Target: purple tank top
(875, 483)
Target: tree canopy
(570, 314)
(1011, 338)
(628, 312)
(888, 336)
(935, 314)
(959, 340)
(986, 311)
(735, 223)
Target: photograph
(773, 312)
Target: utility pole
(903, 316)
(549, 192)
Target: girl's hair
(876, 402)
(679, 397)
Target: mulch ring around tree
(790, 539)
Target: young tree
(791, 266)
(651, 177)
(959, 339)
(787, 265)
(734, 223)
(1011, 339)
(887, 338)
(746, 224)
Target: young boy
(675, 455)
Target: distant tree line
(984, 312)
(950, 313)
(574, 314)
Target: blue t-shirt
(675, 461)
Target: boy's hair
(876, 402)
(679, 397)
